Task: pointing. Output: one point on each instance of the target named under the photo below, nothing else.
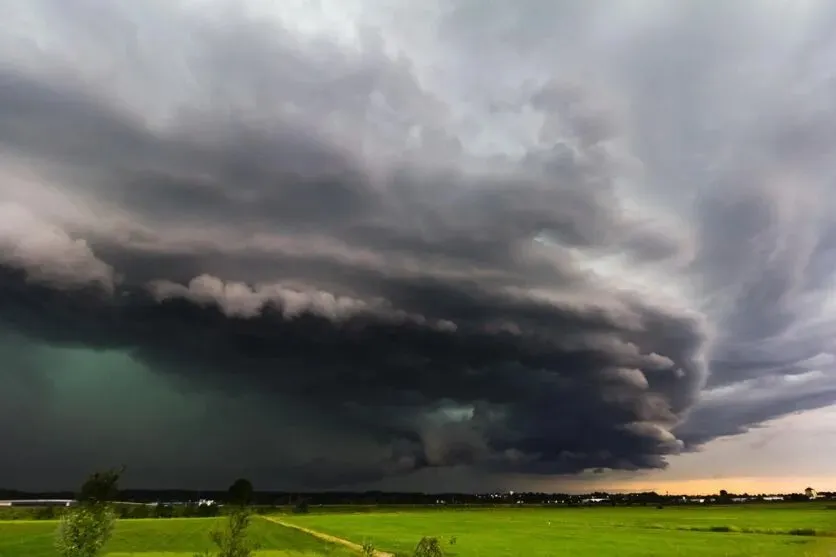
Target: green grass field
(750, 531)
(762, 531)
(164, 538)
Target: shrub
(207, 510)
(84, 530)
(86, 527)
(163, 510)
(232, 541)
(139, 511)
(428, 547)
(368, 549)
(45, 513)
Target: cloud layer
(529, 239)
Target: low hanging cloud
(386, 250)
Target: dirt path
(323, 536)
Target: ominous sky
(408, 244)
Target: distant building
(810, 493)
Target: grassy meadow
(736, 531)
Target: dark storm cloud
(300, 234)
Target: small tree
(87, 526)
(84, 531)
(232, 541)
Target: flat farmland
(763, 531)
(738, 531)
(171, 537)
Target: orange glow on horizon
(708, 486)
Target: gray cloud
(539, 264)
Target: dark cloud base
(532, 405)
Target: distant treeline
(279, 499)
(194, 510)
(127, 511)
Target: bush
(428, 547)
(301, 507)
(45, 513)
(132, 511)
(86, 527)
(163, 510)
(368, 549)
(139, 511)
(84, 530)
(206, 511)
(232, 541)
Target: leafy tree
(240, 492)
(101, 487)
(88, 525)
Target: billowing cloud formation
(532, 238)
